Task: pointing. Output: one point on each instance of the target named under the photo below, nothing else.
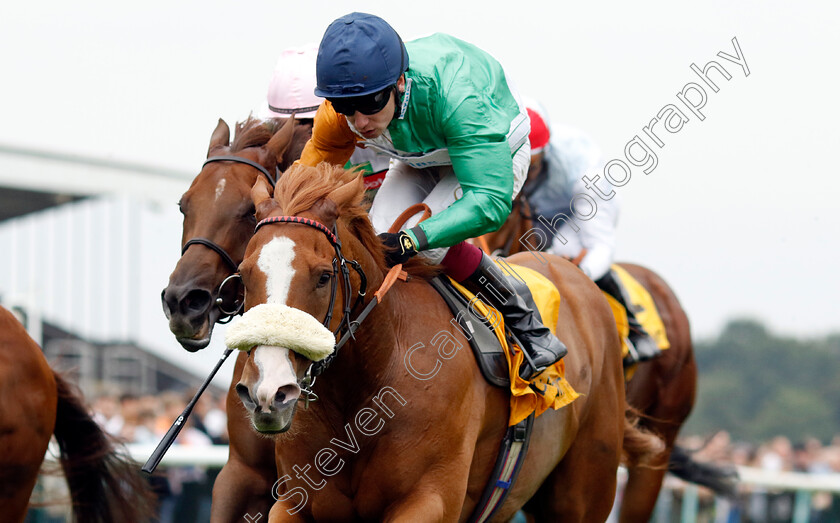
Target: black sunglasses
(368, 104)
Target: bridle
(228, 314)
(346, 327)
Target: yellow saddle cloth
(550, 389)
(643, 303)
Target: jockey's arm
(476, 136)
(332, 139)
(597, 236)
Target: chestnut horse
(661, 390)
(389, 441)
(37, 403)
(218, 222)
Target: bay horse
(385, 445)
(662, 390)
(37, 403)
(218, 222)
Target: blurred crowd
(184, 492)
(145, 419)
(780, 454)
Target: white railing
(755, 480)
(804, 485)
(790, 480)
(211, 456)
(216, 456)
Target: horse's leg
(582, 487)
(423, 505)
(244, 484)
(642, 490)
(439, 492)
(280, 514)
(663, 390)
(664, 416)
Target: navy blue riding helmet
(359, 54)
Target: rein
(218, 249)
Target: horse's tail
(640, 445)
(105, 485)
(721, 479)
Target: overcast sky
(739, 215)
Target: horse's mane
(253, 132)
(301, 187)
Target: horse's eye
(324, 279)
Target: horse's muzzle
(190, 314)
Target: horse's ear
(326, 211)
(278, 143)
(264, 204)
(348, 191)
(220, 137)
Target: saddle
(486, 347)
(494, 353)
(643, 306)
(497, 356)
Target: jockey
(457, 134)
(292, 90)
(560, 157)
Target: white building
(88, 246)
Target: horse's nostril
(195, 301)
(245, 396)
(166, 310)
(286, 395)
(178, 301)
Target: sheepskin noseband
(281, 326)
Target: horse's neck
(354, 250)
(301, 135)
(361, 365)
(361, 370)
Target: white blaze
(220, 188)
(276, 263)
(276, 371)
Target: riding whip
(172, 433)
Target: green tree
(757, 385)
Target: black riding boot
(541, 348)
(643, 346)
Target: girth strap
(508, 463)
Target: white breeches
(437, 187)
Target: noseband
(228, 315)
(346, 327)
